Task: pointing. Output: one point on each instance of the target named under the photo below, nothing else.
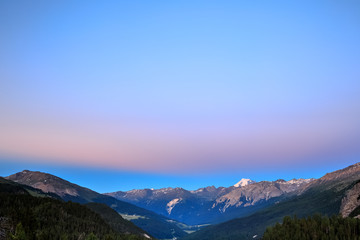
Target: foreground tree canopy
(315, 227)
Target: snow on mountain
(243, 182)
(299, 181)
(210, 203)
(171, 204)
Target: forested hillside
(315, 227)
(26, 217)
(156, 225)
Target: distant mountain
(334, 193)
(210, 204)
(156, 225)
(28, 213)
(176, 203)
(255, 193)
(250, 206)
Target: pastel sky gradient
(178, 89)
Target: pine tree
(19, 233)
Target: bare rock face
(350, 201)
(251, 194)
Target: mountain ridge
(45, 216)
(328, 195)
(210, 204)
(250, 207)
(155, 224)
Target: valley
(241, 211)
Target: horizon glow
(181, 88)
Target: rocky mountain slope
(156, 225)
(210, 204)
(351, 200)
(334, 193)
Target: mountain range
(335, 193)
(211, 205)
(241, 211)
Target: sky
(119, 95)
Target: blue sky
(179, 92)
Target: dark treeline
(315, 227)
(26, 217)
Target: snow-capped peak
(243, 182)
(299, 181)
